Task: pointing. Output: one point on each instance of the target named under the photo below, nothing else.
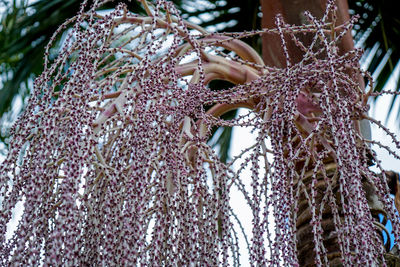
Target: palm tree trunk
(292, 13)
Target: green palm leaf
(378, 32)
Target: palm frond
(378, 33)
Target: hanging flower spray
(111, 164)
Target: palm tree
(276, 63)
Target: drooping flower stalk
(111, 163)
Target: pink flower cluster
(111, 163)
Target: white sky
(379, 111)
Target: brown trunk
(292, 12)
